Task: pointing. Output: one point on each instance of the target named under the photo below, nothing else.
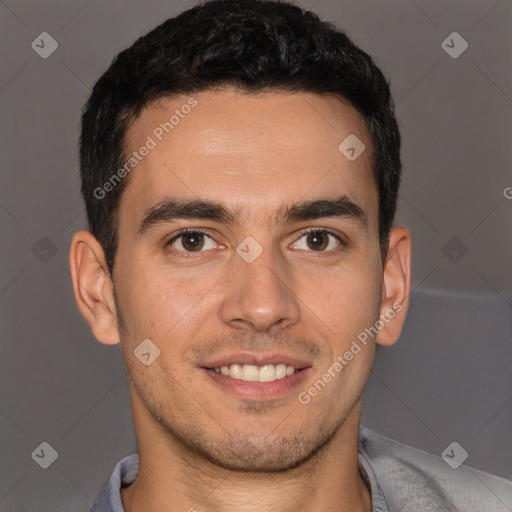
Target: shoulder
(124, 474)
(413, 480)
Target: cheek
(158, 306)
(347, 299)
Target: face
(257, 280)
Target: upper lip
(256, 359)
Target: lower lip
(258, 390)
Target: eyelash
(303, 232)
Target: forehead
(255, 152)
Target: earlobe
(93, 287)
(396, 286)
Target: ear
(93, 287)
(396, 286)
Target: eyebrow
(340, 207)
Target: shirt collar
(127, 469)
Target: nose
(259, 295)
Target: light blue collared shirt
(400, 479)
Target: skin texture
(200, 446)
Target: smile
(281, 380)
(253, 373)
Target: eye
(317, 240)
(190, 240)
(194, 240)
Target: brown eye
(319, 240)
(190, 241)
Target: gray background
(447, 379)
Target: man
(240, 166)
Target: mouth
(254, 373)
(252, 377)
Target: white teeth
(250, 372)
(253, 373)
(235, 371)
(281, 371)
(267, 373)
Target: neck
(171, 478)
